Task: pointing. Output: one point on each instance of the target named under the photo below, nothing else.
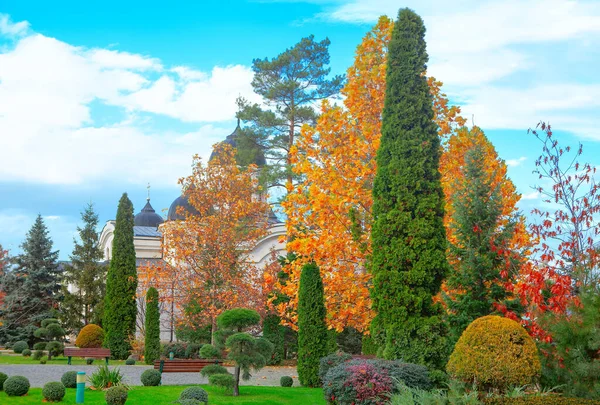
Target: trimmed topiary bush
(38, 354)
(40, 346)
(16, 386)
(150, 378)
(44, 360)
(54, 348)
(130, 362)
(209, 352)
(89, 361)
(69, 379)
(196, 393)
(3, 378)
(495, 353)
(212, 369)
(54, 391)
(225, 381)
(286, 381)
(26, 353)
(91, 336)
(116, 395)
(328, 362)
(19, 346)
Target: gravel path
(40, 374)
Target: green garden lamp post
(80, 387)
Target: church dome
(148, 217)
(181, 201)
(248, 152)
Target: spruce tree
(408, 237)
(86, 274)
(152, 327)
(120, 305)
(312, 330)
(32, 286)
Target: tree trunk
(213, 331)
(236, 382)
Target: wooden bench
(96, 353)
(183, 365)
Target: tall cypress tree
(312, 330)
(409, 241)
(152, 327)
(120, 305)
(86, 303)
(32, 287)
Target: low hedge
(540, 400)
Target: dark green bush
(40, 346)
(89, 361)
(55, 348)
(178, 350)
(16, 386)
(49, 321)
(130, 362)
(189, 402)
(54, 391)
(3, 378)
(212, 369)
(225, 381)
(209, 352)
(369, 347)
(38, 354)
(44, 360)
(116, 395)
(151, 378)
(540, 400)
(69, 379)
(196, 393)
(412, 375)
(286, 381)
(19, 346)
(331, 361)
(26, 353)
(192, 350)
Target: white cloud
(9, 28)
(534, 195)
(515, 162)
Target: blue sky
(97, 99)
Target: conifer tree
(32, 287)
(120, 305)
(274, 332)
(408, 237)
(86, 274)
(312, 330)
(152, 327)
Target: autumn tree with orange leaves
(209, 249)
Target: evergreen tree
(476, 282)
(32, 287)
(86, 274)
(120, 305)
(274, 332)
(408, 237)
(312, 330)
(152, 327)
(289, 84)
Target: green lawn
(167, 394)
(10, 359)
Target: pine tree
(120, 305)
(312, 330)
(408, 237)
(32, 287)
(86, 274)
(152, 327)
(476, 282)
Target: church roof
(181, 201)
(233, 140)
(148, 217)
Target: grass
(18, 359)
(167, 394)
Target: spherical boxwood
(495, 352)
(3, 378)
(286, 381)
(150, 378)
(212, 369)
(26, 353)
(40, 346)
(69, 379)
(38, 354)
(91, 336)
(209, 352)
(130, 362)
(54, 391)
(55, 348)
(43, 360)
(19, 346)
(89, 361)
(116, 395)
(196, 393)
(16, 386)
(224, 381)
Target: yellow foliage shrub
(495, 353)
(91, 336)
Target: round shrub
(19, 346)
(196, 393)
(496, 353)
(212, 369)
(178, 350)
(40, 346)
(331, 361)
(359, 383)
(55, 348)
(49, 321)
(16, 386)
(209, 352)
(130, 362)
(151, 378)
(286, 381)
(192, 350)
(54, 391)
(26, 353)
(40, 332)
(3, 378)
(69, 379)
(189, 402)
(116, 395)
(43, 360)
(38, 354)
(91, 336)
(224, 381)
(89, 361)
